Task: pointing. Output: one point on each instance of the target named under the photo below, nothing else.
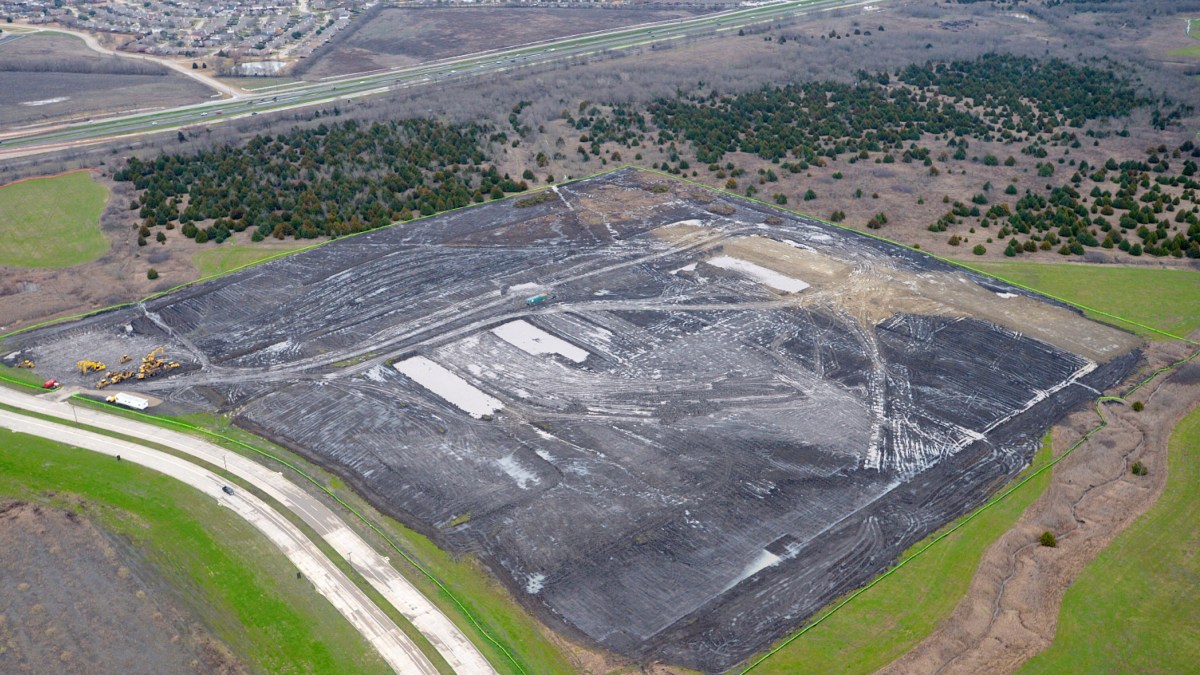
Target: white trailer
(129, 401)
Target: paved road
(16, 143)
(459, 652)
(378, 629)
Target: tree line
(331, 180)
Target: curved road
(376, 627)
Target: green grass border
(406, 626)
(166, 421)
(472, 619)
(232, 615)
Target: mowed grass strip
(1135, 608)
(222, 258)
(889, 619)
(52, 222)
(1166, 299)
(238, 583)
(1191, 51)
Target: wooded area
(341, 177)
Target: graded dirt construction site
(674, 422)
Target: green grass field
(887, 620)
(256, 83)
(1191, 51)
(1135, 608)
(243, 588)
(52, 222)
(226, 257)
(1165, 299)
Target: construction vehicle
(125, 359)
(152, 364)
(27, 364)
(538, 299)
(114, 377)
(85, 366)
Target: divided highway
(28, 141)
(376, 626)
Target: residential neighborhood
(234, 29)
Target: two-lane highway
(462, 655)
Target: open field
(186, 546)
(79, 598)
(52, 76)
(723, 460)
(225, 257)
(887, 620)
(257, 83)
(1191, 51)
(400, 37)
(52, 222)
(1134, 608)
(1166, 299)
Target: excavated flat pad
(722, 417)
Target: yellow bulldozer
(152, 364)
(85, 366)
(27, 364)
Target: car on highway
(226, 489)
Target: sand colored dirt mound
(1010, 613)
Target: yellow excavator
(85, 366)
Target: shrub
(1139, 469)
(152, 274)
(979, 249)
(1048, 539)
(1138, 406)
(533, 200)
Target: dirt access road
(186, 71)
(458, 651)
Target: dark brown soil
(76, 600)
(39, 70)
